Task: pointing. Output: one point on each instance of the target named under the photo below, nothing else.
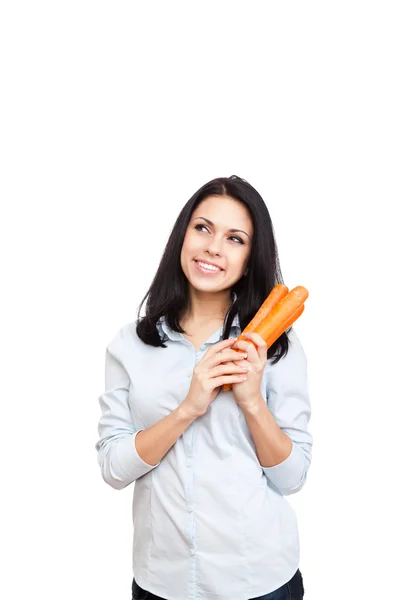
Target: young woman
(211, 467)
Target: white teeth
(206, 266)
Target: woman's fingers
(259, 344)
(257, 352)
(228, 369)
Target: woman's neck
(206, 308)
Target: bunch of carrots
(278, 312)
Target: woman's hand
(219, 365)
(247, 393)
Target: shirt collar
(162, 327)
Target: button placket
(189, 487)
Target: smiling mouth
(202, 266)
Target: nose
(212, 250)
(213, 247)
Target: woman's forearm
(152, 444)
(272, 445)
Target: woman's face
(209, 240)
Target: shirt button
(192, 552)
(189, 374)
(203, 347)
(189, 509)
(188, 463)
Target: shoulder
(124, 340)
(295, 359)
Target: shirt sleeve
(289, 402)
(116, 451)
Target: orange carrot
(282, 312)
(282, 315)
(277, 293)
(285, 325)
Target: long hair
(168, 294)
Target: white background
(113, 114)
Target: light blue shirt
(210, 522)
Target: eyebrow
(231, 230)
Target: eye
(238, 238)
(240, 241)
(200, 225)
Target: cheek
(185, 247)
(190, 247)
(240, 262)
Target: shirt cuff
(131, 464)
(288, 475)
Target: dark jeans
(292, 590)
